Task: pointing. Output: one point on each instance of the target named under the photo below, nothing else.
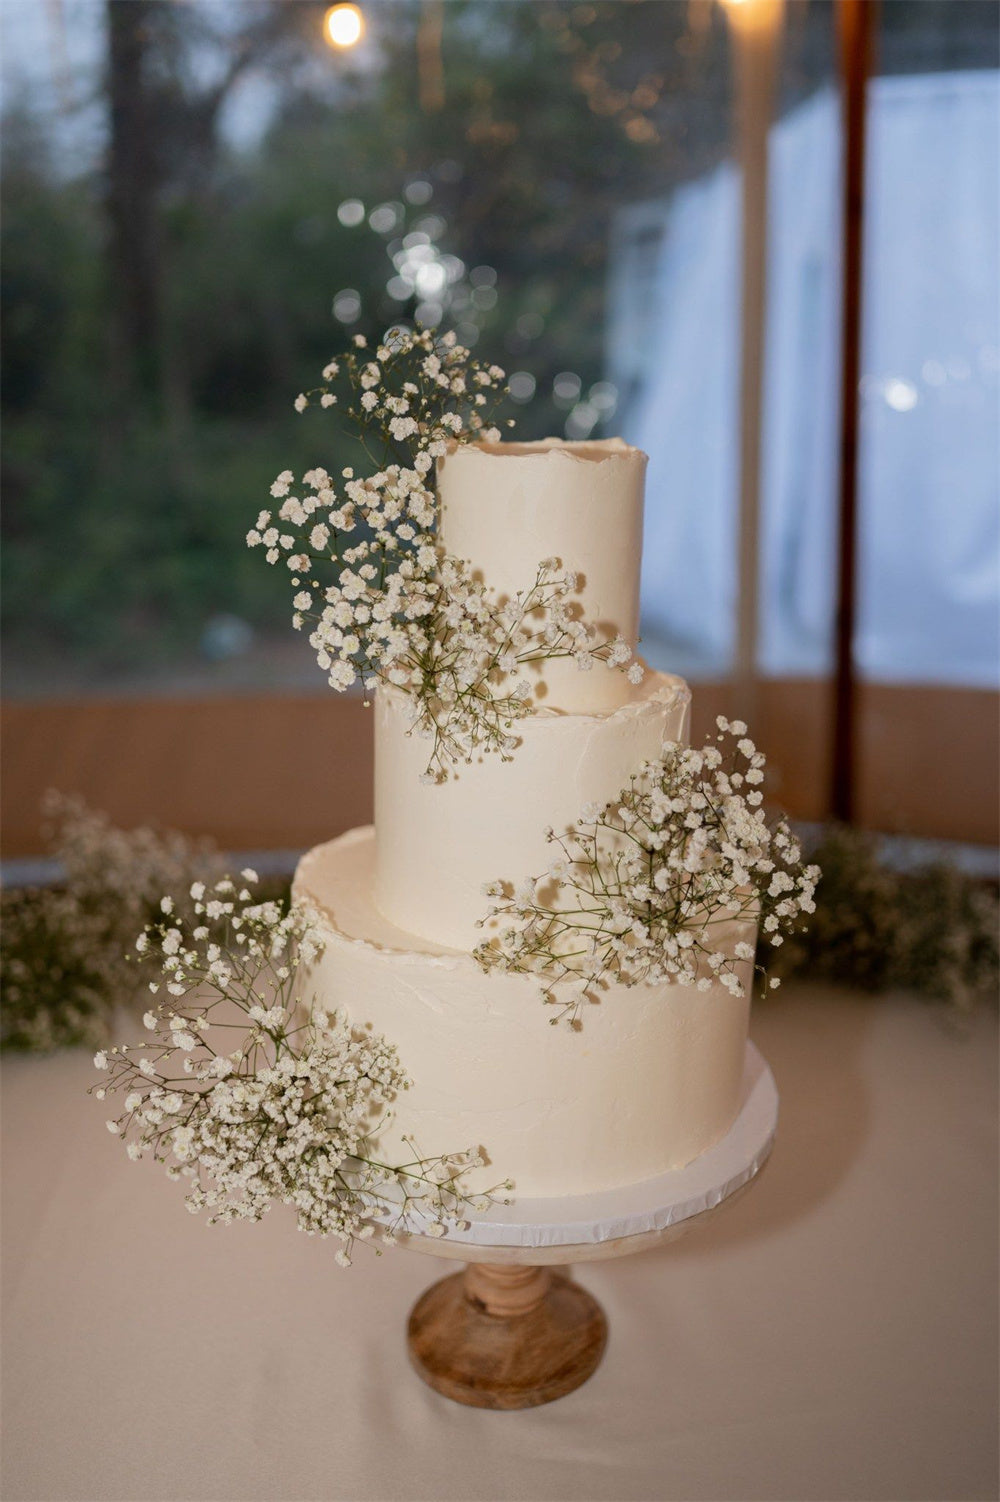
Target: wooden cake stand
(513, 1330)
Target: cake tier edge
(440, 842)
(507, 506)
(650, 1081)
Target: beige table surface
(834, 1336)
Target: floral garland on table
(400, 610)
(251, 1102)
(65, 960)
(899, 924)
(926, 928)
(640, 883)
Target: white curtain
(929, 487)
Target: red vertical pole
(856, 22)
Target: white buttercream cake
(652, 1078)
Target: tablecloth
(832, 1336)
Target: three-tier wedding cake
(653, 1075)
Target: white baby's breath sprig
(437, 634)
(382, 600)
(667, 882)
(253, 1097)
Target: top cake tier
(506, 507)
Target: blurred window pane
(929, 505)
(562, 190)
(171, 284)
(686, 415)
(929, 495)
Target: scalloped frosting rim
(579, 451)
(669, 689)
(446, 959)
(440, 959)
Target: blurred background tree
(165, 299)
(216, 199)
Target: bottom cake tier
(650, 1080)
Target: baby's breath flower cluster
(400, 610)
(254, 1101)
(653, 886)
(460, 651)
(64, 947)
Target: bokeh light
(901, 395)
(351, 212)
(418, 192)
(566, 389)
(347, 306)
(522, 386)
(386, 217)
(343, 25)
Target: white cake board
(585, 1225)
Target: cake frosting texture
(506, 507)
(651, 1079)
(488, 820)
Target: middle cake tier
(437, 844)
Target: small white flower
(697, 849)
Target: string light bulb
(343, 26)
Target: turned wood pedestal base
(506, 1337)
(512, 1330)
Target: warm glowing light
(763, 16)
(343, 25)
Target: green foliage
(929, 929)
(56, 991)
(126, 508)
(67, 951)
(64, 948)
